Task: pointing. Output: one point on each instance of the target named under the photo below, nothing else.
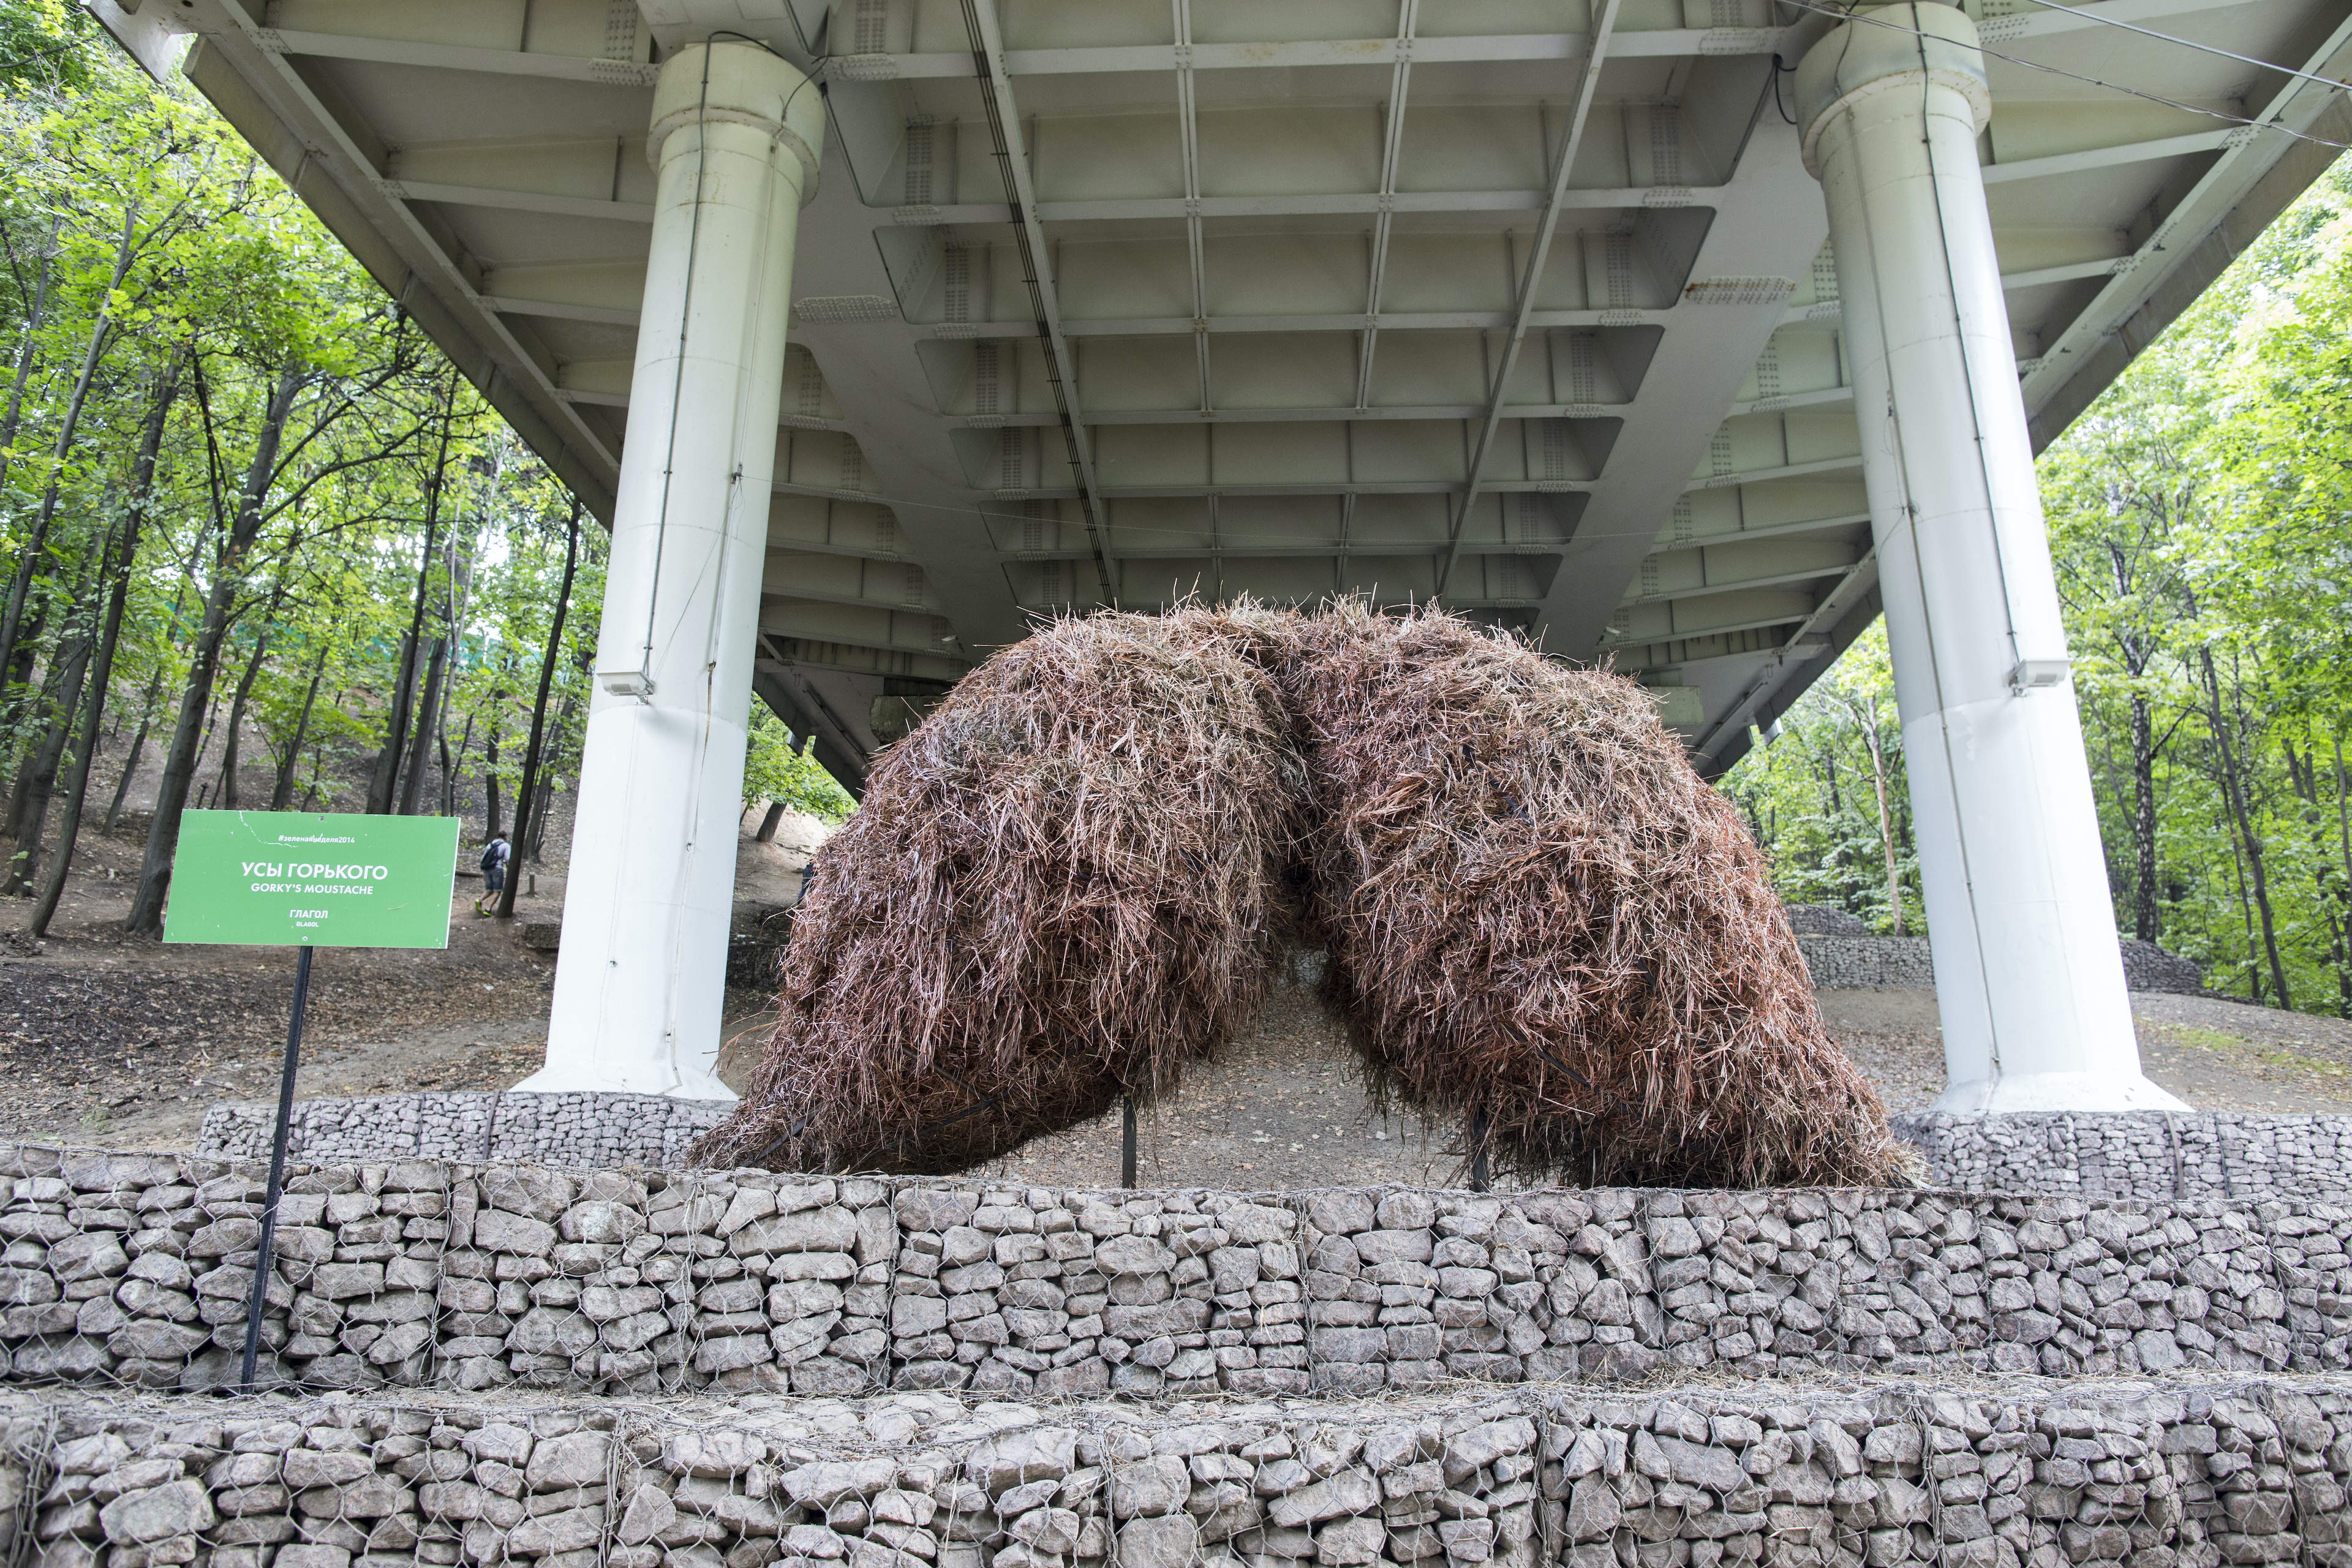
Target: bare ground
(109, 1040)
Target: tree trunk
(125, 565)
(770, 823)
(16, 661)
(281, 794)
(28, 764)
(155, 681)
(529, 812)
(413, 781)
(180, 762)
(383, 783)
(39, 311)
(2344, 887)
(131, 758)
(490, 771)
(33, 812)
(453, 623)
(237, 719)
(2234, 796)
(2145, 925)
(452, 760)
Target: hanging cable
(1872, 21)
(2214, 50)
(1779, 70)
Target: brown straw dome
(1072, 878)
(1058, 889)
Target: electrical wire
(1873, 21)
(2191, 44)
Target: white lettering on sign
(306, 869)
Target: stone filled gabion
(2031, 1475)
(1058, 890)
(133, 1270)
(2215, 1157)
(586, 1129)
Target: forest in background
(244, 502)
(2200, 518)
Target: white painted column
(642, 971)
(2028, 975)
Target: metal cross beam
(1013, 158)
(1384, 203)
(1189, 124)
(1587, 88)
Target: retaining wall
(1844, 959)
(1839, 963)
(2209, 1155)
(2220, 1155)
(589, 1130)
(2031, 1474)
(136, 1269)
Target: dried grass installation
(1060, 888)
(1069, 880)
(1542, 922)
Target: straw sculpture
(1545, 927)
(1071, 880)
(1059, 888)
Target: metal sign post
(277, 1171)
(1126, 1143)
(306, 880)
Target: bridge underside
(1279, 257)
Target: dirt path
(2217, 1055)
(110, 1040)
(127, 1044)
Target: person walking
(495, 854)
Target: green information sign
(298, 879)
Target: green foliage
(146, 246)
(2200, 522)
(773, 771)
(1812, 796)
(47, 43)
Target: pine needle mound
(1060, 888)
(1545, 924)
(1071, 880)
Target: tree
(774, 771)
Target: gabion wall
(135, 1269)
(1846, 955)
(2224, 1155)
(589, 1130)
(2028, 1474)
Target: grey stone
(1166, 1541)
(576, 1459)
(831, 1229)
(1349, 1492)
(136, 1519)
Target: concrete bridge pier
(735, 138)
(2028, 975)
